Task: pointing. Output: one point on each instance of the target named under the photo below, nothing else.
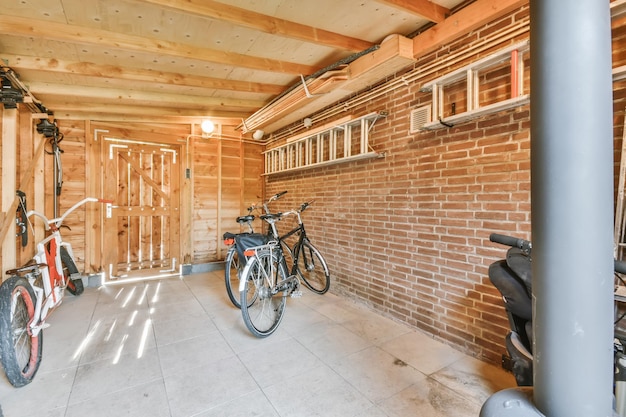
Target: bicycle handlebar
(276, 196)
(265, 203)
(618, 266)
(59, 220)
(510, 241)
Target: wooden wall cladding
(224, 178)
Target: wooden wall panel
(225, 177)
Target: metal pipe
(414, 75)
(572, 206)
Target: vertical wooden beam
(177, 213)
(93, 213)
(26, 154)
(9, 170)
(187, 193)
(37, 202)
(242, 183)
(218, 228)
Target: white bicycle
(30, 295)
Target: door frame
(96, 155)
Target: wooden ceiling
(182, 60)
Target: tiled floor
(177, 347)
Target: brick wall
(407, 234)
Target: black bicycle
(266, 280)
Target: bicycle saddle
(271, 216)
(245, 219)
(30, 267)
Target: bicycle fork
(37, 324)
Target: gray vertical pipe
(572, 206)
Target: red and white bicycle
(30, 295)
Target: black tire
(74, 286)
(20, 351)
(265, 313)
(312, 268)
(232, 270)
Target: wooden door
(142, 226)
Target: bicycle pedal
(296, 294)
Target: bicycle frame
(295, 250)
(48, 256)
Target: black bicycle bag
(245, 241)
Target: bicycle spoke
(20, 350)
(263, 316)
(312, 269)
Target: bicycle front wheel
(312, 268)
(265, 313)
(20, 351)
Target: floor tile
(473, 379)
(374, 327)
(377, 374)
(319, 392)
(148, 399)
(185, 327)
(48, 391)
(113, 335)
(429, 398)
(104, 377)
(252, 404)
(421, 351)
(193, 392)
(277, 361)
(189, 354)
(331, 342)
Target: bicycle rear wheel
(265, 313)
(74, 286)
(312, 268)
(232, 272)
(20, 351)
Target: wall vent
(419, 117)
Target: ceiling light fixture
(258, 134)
(208, 127)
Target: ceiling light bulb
(307, 122)
(207, 126)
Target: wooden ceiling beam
(21, 62)
(88, 111)
(424, 8)
(264, 23)
(464, 21)
(20, 26)
(84, 93)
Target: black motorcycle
(513, 279)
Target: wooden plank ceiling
(183, 60)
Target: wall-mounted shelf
(512, 54)
(346, 141)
